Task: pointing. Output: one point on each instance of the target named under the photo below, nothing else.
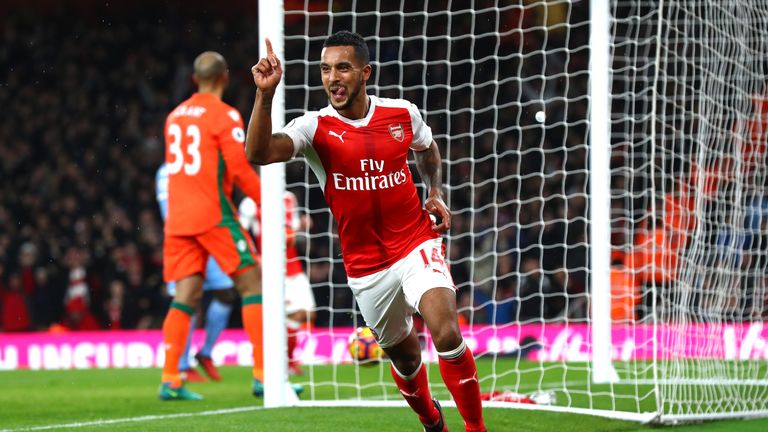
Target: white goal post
(605, 162)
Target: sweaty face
(343, 75)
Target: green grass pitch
(126, 400)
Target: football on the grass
(363, 347)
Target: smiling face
(344, 77)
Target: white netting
(689, 133)
(505, 88)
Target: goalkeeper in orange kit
(204, 156)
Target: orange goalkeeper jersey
(205, 156)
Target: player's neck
(359, 108)
(211, 90)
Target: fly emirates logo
(373, 178)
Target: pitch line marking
(135, 419)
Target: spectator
(115, 305)
(14, 309)
(77, 159)
(77, 313)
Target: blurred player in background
(299, 299)
(358, 147)
(204, 156)
(217, 314)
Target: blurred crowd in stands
(85, 94)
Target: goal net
(606, 171)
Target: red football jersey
(204, 154)
(250, 219)
(362, 166)
(292, 225)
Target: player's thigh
(183, 256)
(230, 246)
(190, 293)
(248, 280)
(189, 290)
(298, 294)
(429, 288)
(383, 306)
(424, 269)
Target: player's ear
(367, 70)
(225, 78)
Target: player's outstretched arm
(261, 146)
(429, 164)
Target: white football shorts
(389, 298)
(298, 294)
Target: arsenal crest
(397, 132)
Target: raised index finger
(269, 47)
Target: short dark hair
(347, 38)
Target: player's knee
(406, 364)
(310, 316)
(446, 338)
(189, 297)
(302, 316)
(248, 280)
(406, 356)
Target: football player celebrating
(358, 147)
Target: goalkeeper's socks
(252, 316)
(459, 373)
(415, 390)
(216, 320)
(175, 332)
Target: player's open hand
(268, 71)
(437, 207)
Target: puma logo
(467, 380)
(409, 395)
(340, 137)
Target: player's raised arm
(261, 146)
(429, 164)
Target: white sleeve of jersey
(247, 213)
(301, 130)
(422, 133)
